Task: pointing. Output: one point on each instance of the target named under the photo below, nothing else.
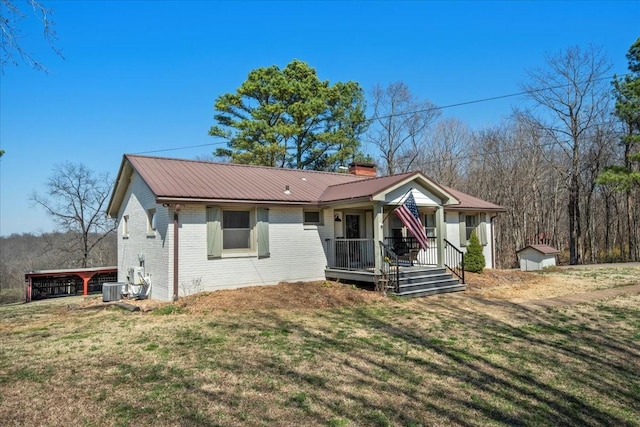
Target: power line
(493, 98)
(424, 110)
(180, 148)
(486, 153)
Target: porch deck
(405, 270)
(413, 281)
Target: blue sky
(140, 76)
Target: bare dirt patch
(322, 294)
(293, 296)
(522, 286)
(514, 286)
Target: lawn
(458, 359)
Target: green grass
(430, 361)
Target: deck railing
(390, 267)
(350, 254)
(408, 250)
(454, 259)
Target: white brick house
(193, 226)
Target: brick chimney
(363, 169)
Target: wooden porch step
(425, 278)
(417, 282)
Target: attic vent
(111, 291)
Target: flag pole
(399, 204)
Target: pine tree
(473, 259)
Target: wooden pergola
(58, 283)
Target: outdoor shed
(43, 284)
(537, 257)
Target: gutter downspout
(177, 209)
(493, 242)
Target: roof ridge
(241, 165)
(372, 178)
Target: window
(236, 229)
(237, 232)
(125, 226)
(396, 227)
(151, 221)
(430, 224)
(312, 217)
(471, 222)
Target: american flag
(410, 217)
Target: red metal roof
(70, 271)
(175, 178)
(361, 189)
(468, 202)
(194, 180)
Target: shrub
(473, 259)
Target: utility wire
(181, 148)
(424, 110)
(493, 98)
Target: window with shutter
(236, 230)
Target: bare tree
(442, 156)
(399, 125)
(11, 17)
(570, 97)
(76, 202)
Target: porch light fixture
(337, 219)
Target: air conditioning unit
(135, 275)
(111, 291)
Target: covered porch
(406, 269)
(369, 242)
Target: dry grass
(329, 354)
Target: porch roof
(372, 188)
(471, 203)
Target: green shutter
(463, 229)
(262, 229)
(214, 232)
(481, 230)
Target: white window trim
(435, 225)
(467, 227)
(241, 252)
(151, 222)
(479, 220)
(320, 217)
(125, 226)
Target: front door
(353, 230)
(352, 224)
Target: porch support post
(441, 228)
(378, 216)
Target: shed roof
(70, 271)
(173, 180)
(543, 249)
